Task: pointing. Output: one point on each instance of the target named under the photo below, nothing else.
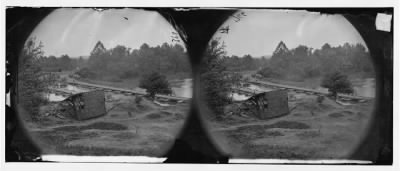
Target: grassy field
(127, 129)
(310, 131)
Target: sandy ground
(310, 131)
(127, 129)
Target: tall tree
(214, 81)
(31, 79)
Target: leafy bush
(155, 83)
(337, 82)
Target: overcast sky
(259, 32)
(76, 31)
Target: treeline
(304, 62)
(122, 62)
(244, 63)
(62, 63)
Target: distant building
(98, 48)
(280, 49)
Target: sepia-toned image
(286, 84)
(104, 83)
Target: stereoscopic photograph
(194, 85)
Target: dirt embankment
(312, 130)
(129, 128)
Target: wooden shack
(269, 104)
(87, 105)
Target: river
(185, 89)
(366, 89)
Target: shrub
(155, 83)
(337, 82)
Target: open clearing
(311, 131)
(127, 129)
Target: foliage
(122, 62)
(62, 63)
(337, 82)
(235, 79)
(32, 81)
(268, 71)
(85, 73)
(214, 79)
(303, 62)
(244, 63)
(155, 83)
